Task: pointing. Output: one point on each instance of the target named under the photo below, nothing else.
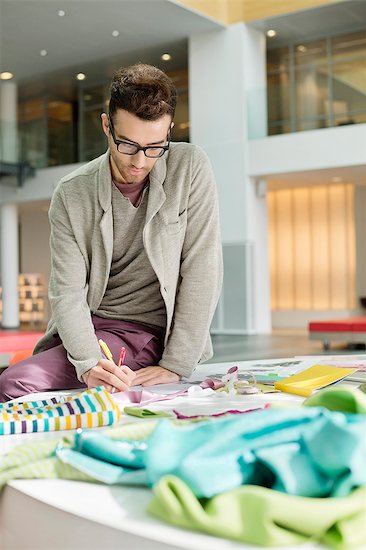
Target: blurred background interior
(275, 92)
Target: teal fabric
(296, 451)
(100, 470)
(308, 451)
(256, 515)
(121, 453)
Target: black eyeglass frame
(117, 142)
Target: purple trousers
(51, 370)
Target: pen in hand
(108, 354)
(122, 356)
(106, 350)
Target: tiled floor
(267, 346)
(278, 344)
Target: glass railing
(275, 112)
(14, 169)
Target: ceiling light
(115, 33)
(61, 13)
(166, 57)
(6, 75)
(80, 76)
(43, 53)
(301, 48)
(271, 33)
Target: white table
(70, 515)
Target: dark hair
(144, 91)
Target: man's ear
(105, 124)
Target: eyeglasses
(127, 148)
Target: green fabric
(262, 516)
(145, 413)
(339, 398)
(39, 461)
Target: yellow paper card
(313, 378)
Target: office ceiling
(147, 28)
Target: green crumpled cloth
(339, 398)
(141, 412)
(261, 516)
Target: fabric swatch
(88, 409)
(264, 517)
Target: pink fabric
(143, 397)
(230, 411)
(213, 383)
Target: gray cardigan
(181, 237)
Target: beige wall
(231, 11)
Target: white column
(256, 214)
(360, 231)
(227, 95)
(9, 265)
(8, 122)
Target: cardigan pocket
(174, 227)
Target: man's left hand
(149, 376)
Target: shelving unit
(32, 298)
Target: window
(317, 84)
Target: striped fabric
(38, 460)
(88, 409)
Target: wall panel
(312, 248)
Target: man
(135, 253)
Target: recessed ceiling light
(166, 57)
(336, 179)
(80, 76)
(6, 75)
(61, 13)
(301, 48)
(271, 33)
(43, 53)
(115, 33)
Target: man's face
(130, 128)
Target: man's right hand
(108, 374)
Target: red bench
(16, 341)
(16, 346)
(351, 330)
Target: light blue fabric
(105, 459)
(123, 453)
(282, 449)
(309, 452)
(100, 470)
